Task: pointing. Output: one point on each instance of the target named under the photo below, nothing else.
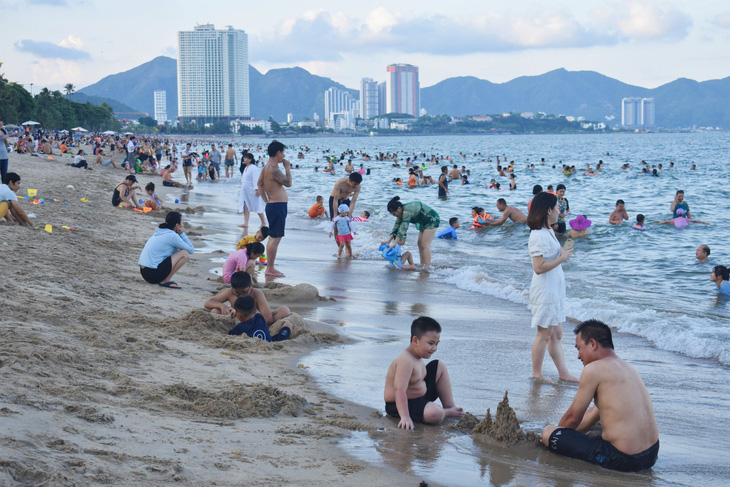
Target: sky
(642, 42)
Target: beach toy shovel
(32, 192)
(49, 228)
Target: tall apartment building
(404, 90)
(161, 106)
(337, 101)
(382, 98)
(637, 112)
(647, 112)
(369, 101)
(212, 74)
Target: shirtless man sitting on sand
(508, 212)
(412, 387)
(346, 191)
(630, 438)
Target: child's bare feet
(450, 412)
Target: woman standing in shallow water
(426, 220)
(547, 291)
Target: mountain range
(681, 103)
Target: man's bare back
(624, 406)
(230, 153)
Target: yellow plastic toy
(32, 192)
(85, 200)
(49, 228)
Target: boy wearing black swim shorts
(412, 387)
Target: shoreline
(111, 379)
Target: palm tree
(69, 88)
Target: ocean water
(670, 320)
(647, 284)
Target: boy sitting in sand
(412, 387)
(253, 324)
(241, 286)
(259, 236)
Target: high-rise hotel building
(160, 99)
(637, 112)
(368, 99)
(212, 74)
(404, 90)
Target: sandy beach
(110, 380)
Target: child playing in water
(364, 217)
(412, 387)
(253, 324)
(317, 209)
(342, 231)
(618, 215)
(401, 261)
(259, 236)
(639, 225)
(154, 202)
(449, 233)
(681, 221)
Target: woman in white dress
(249, 199)
(547, 291)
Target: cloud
(722, 20)
(318, 35)
(53, 3)
(49, 50)
(644, 20)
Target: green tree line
(52, 110)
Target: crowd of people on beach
(629, 439)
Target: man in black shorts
(629, 441)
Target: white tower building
(161, 106)
(212, 73)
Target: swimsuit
(229, 162)
(167, 183)
(418, 405)
(594, 449)
(276, 215)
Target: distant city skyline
(640, 42)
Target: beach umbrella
(63, 131)
(109, 132)
(128, 133)
(11, 126)
(79, 129)
(31, 122)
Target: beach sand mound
(236, 402)
(505, 427)
(276, 291)
(466, 423)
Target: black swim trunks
(276, 215)
(594, 449)
(167, 183)
(333, 207)
(416, 406)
